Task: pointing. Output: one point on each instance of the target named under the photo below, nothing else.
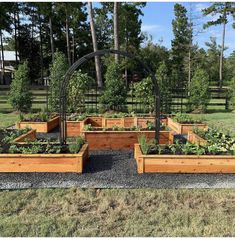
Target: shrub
(162, 76)
(20, 96)
(57, 72)
(143, 90)
(115, 93)
(232, 93)
(199, 91)
(78, 85)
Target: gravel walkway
(114, 169)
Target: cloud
(151, 28)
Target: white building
(9, 63)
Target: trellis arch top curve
(84, 59)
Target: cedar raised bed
(184, 128)
(122, 140)
(44, 162)
(29, 136)
(183, 163)
(44, 127)
(75, 128)
(196, 139)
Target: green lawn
(117, 212)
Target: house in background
(6, 72)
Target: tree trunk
(116, 29)
(41, 50)
(51, 38)
(222, 55)
(67, 35)
(73, 50)
(95, 47)
(2, 60)
(15, 36)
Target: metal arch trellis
(67, 76)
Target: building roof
(9, 55)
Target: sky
(159, 15)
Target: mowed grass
(117, 212)
(222, 121)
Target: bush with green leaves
(199, 95)
(78, 86)
(232, 93)
(76, 145)
(162, 76)
(20, 96)
(144, 92)
(115, 93)
(57, 72)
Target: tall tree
(95, 47)
(116, 29)
(180, 43)
(221, 10)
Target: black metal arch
(82, 60)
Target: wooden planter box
(194, 138)
(74, 128)
(183, 163)
(44, 127)
(29, 136)
(44, 162)
(184, 128)
(122, 140)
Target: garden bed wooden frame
(75, 128)
(45, 162)
(183, 163)
(122, 140)
(29, 136)
(184, 128)
(43, 127)
(196, 139)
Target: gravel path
(114, 169)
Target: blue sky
(158, 17)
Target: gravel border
(114, 169)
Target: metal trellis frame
(84, 59)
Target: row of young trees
(38, 29)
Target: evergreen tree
(57, 72)
(115, 94)
(20, 96)
(199, 91)
(182, 36)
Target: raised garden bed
(196, 139)
(29, 136)
(40, 126)
(44, 162)
(122, 140)
(184, 128)
(183, 163)
(75, 128)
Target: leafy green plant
(75, 147)
(76, 117)
(78, 85)
(10, 135)
(185, 119)
(115, 93)
(88, 127)
(143, 91)
(199, 95)
(144, 144)
(57, 72)
(20, 96)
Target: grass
(117, 212)
(224, 121)
(8, 119)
